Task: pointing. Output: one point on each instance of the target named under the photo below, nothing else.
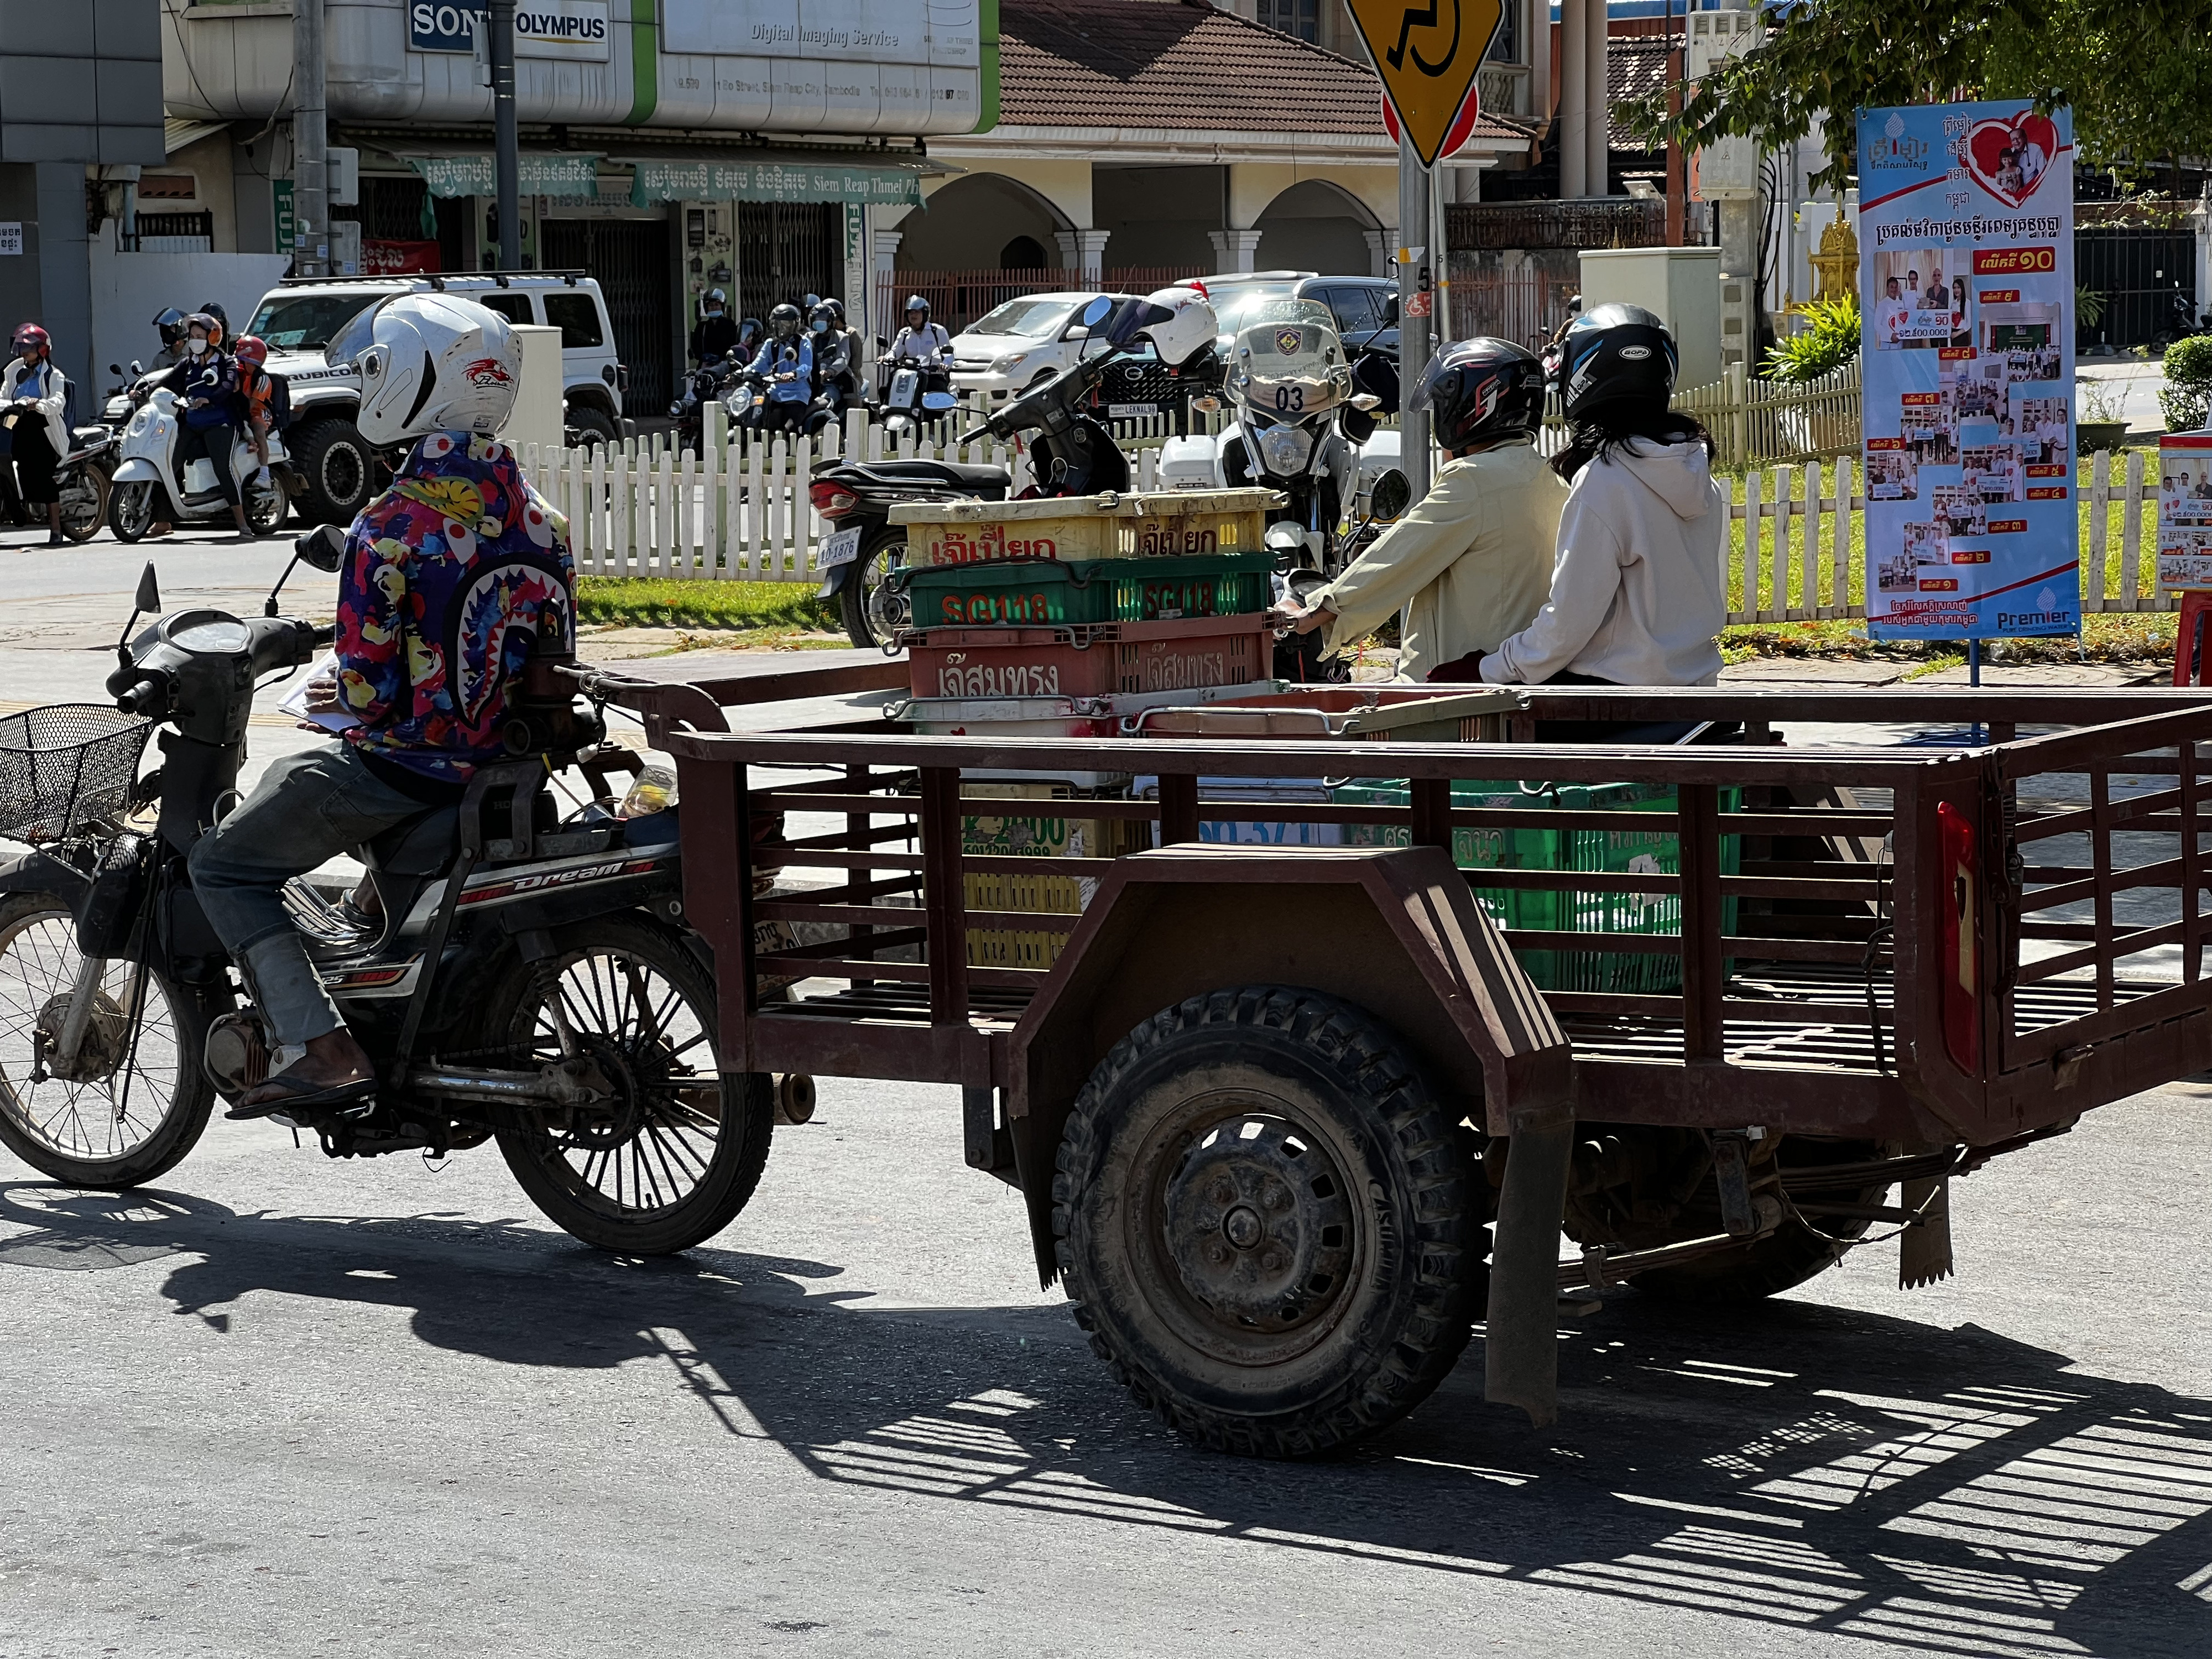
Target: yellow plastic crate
(1047, 829)
(1158, 524)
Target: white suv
(1020, 342)
(301, 317)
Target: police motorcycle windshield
(1286, 361)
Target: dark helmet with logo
(784, 321)
(1614, 353)
(1481, 392)
(171, 325)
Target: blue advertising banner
(1966, 371)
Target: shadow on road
(1951, 1492)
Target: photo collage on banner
(1966, 371)
(2184, 510)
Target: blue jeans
(307, 808)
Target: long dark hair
(1604, 429)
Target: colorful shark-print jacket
(450, 577)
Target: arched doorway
(966, 223)
(1316, 226)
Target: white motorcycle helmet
(430, 362)
(1180, 324)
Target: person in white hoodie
(34, 394)
(1639, 592)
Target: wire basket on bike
(66, 766)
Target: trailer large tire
(1640, 1210)
(1270, 1227)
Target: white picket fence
(1799, 564)
(739, 510)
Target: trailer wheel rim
(1247, 1227)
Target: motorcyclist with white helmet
(452, 577)
(922, 339)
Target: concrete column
(1085, 251)
(64, 256)
(1570, 133)
(1234, 250)
(1381, 245)
(2200, 220)
(1538, 34)
(1598, 103)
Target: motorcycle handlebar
(146, 698)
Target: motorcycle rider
(835, 383)
(921, 338)
(206, 383)
(714, 335)
(786, 363)
(451, 576)
(170, 325)
(256, 386)
(34, 395)
(1471, 562)
(1639, 592)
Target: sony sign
(574, 29)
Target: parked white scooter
(146, 493)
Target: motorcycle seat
(422, 846)
(954, 474)
(86, 433)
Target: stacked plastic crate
(1071, 617)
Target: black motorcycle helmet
(1481, 392)
(784, 321)
(1615, 353)
(750, 332)
(836, 310)
(171, 325)
(222, 316)
(819, 319)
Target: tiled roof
(1634, 67)
(1144, 63)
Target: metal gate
(630, 258)
(786, 250)
(2137, 269)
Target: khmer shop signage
(537, 175)
(771, 181)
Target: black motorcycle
(1072, 452)
(704, 385)
(516, 975)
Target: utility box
(1728, 169)
(1682, 285)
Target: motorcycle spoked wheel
(134, 1109)
(84, 503)
(674, 1152)
(265, 509)
(872, 609)
(132, 510)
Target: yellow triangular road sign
(1427, 54)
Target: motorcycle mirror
(115, 369)
(1392, 495)
(323, 547)
(134, 367)
(1096, 311)
(149, 591)
(1389, 311)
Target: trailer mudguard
(1393, 930)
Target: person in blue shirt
(786, 364)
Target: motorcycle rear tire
(868, 623)
(182, 1119)
(91, 508)
(743, 1106)
(266, 509)
(133, 509)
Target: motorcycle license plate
(841, 547)
(1130, 411)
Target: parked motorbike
(913, 394)
(704, 385)
(82, 478)
(1071, 452)
(150, 488)
(1298, 657)
(522, 976)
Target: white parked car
(1022, 341)
(299, 318)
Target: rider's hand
(1292, 615)
(322, 696)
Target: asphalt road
(282, 1406)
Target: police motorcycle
(1071, 452)
(147, 490)
(519, 973)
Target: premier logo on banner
(1966, 371)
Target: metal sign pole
(1414, 295)
(311, 228)
(506, 158)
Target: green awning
(537, 175)
(771, 181)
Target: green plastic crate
(1022, 594)
(1621, 851)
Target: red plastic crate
(1093, 660)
